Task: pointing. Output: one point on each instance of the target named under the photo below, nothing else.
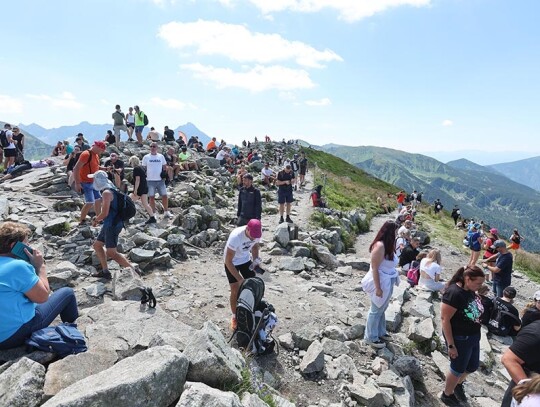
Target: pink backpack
(413, 274)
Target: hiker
(430, 272)
(130, 123)
(81, 143)
(140, 189)
(110, 138)
(268, 177)
(522, 359)
(502, 270)
(18, 138)
(168, 135)
(224, 156)
(119, 124)
(379, 283)
(406, 227)
(17, 169)
(25, 303)
(173, 168)
(493, 236)
(295, 166)
(487, 303)
(185, 161)
(70, 162)
(382, 204)
(285, 179)
(303, 162)
(88, 163)
(249, 202)
(504, 319)
(107, 240)
(531, 312)
(140, 118)
(516, 240)
(438, 207)
(8, 145)
(156, 170)
(527, 394)
(152, 135)
(414, 199)
(115, 169)
(400, 198)
(58, 150)
(475, 244)
(409, 254)
(239, 175)
(317, 198)
(242, 242)
(461, 310)
(211, 147)
(402, 240)
(456, 214)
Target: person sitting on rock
(430, 272)
(487, 303)
(403, 240)
(173, 167)
(504, 316)
(409, 254)
(242, 242)
(317, 198)
(185, 160)
(25, 304)
(268, 176)
(59, 150)
(107, 240)
(239, 175)
(224, 156)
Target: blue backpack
(64, 339)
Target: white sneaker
(168, 214)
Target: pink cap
(254, 228)
(494, 231)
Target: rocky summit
(179, 354)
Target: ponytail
(530, 387)
(469, 271)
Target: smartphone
(18, 251)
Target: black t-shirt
(140, 172)
(526, 346)
(72, 161)
(118, 164)
(505, 326)
(303, 163)
(169, 135)
(487, 303)
(18, 138)
(530, 315)
(408, 254)
(505, 263)
(466, 320)
(284, 176)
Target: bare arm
(513, 365)
(39, 293)
(447, 312)
(377, 257)
(255, 251)
(105, 207)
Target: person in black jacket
(409, 254)
(249, 201)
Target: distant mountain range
(526, 172)
(34, 148)
(93, 132)
(481, 193)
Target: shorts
(109, 235)
(142, 190)
(303, 171)
(139, 129)
(284, 196)
(222, 162)
(10, 152)
(130, 125)
(513, 246)
(90, 194)
(244, 272)
(468, 360)
(119, 128)
(475, 250)
(157, 185)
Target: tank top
(130, 118)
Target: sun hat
(254, 228)
(101, 180)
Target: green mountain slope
(481, 194)
(34, 148)
(526, 172)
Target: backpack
(3, 139)
(64, 339)
(496, 323)
(125, 206)
(145, 119)
(413, 274)
(255, 318)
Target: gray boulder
(282, 234)
(404, 397)
(211, 360)
(56, 226)
(252, 400)
(304, 336)
(300, 251)
(409, 366)
(295, 264)
(153, 377)
(313, 361)
(21, 384)
(201, 395)
(421, 331)
(141, 255)
(367, 395)
(125, 285)
(323, 255)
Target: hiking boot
(289, 220)
(281, 220)
(234, 323)
(377, 344)
(459, 392)
(168, 214)
(451, 400)
(385, 337)
(151, 219)
(106, 274)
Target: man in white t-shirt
(155, 164)
(224, 156)
(242, 246)
(268, 177)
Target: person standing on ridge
(119, 124)
(303, 168)
(400, 197)
(285, 180)
(502, 270)
(156, 165)
(130, 123)
(456, 214)
(140, 119)
(249, 201)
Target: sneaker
(289, 220)
(103, 274)
(234, 324)
(451, 400)
(281, 220)
(151, 219)
(168, 214)
(459, 392)
(377, 344)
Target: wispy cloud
(320, 102)
(173, 104)
(237, 43)
(66, 100)
(10, 105)
(348, 10)
(257, 79)
(447, 123)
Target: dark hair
(386, 235)
(469, 271)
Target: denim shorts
(109, 235)
(158, 186)
(90, 194)
(468, 360)
(284, 196)
(139, 129)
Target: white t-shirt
(431, 270)
(241, 244)
(532, 400)
(266, 172)
(402, 229)
(9, 134)
(400, 241)
(154, 165)
(222, 154)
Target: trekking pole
(265, 313)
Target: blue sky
(415, 75)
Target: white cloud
(236, 42)
(320, 102)
(447, 123)
(257, 79)
(10, 105)
(168, 103)
(286, 95)
(349, 10)
(66, 100)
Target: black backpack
(255, 318)
(3, 139)
(126, 208)
(145, 119)
(496, 324)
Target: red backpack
(413, 274)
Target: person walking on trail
(303, 169)
(502, 270)
(516, 240)
(456, 214)
(285, 181)
(242, 244)
(249, 201)
(400, 198)
(107, 240)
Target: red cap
(100, 144)
(254, 228)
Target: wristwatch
(450, 346)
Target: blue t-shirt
(473, 241)
(16, 278)
(504, 262)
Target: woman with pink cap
(492, 237)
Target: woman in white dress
(430, 272)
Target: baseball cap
(100, 144)
(510, 292)
(248, 176)
(494, 231)
(536, 296)
(498, 244)
(254, 228)
(101, 180)
(476, 225)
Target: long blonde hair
(524, 389)
(434, 256)
(528, 306)
(134, 161)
